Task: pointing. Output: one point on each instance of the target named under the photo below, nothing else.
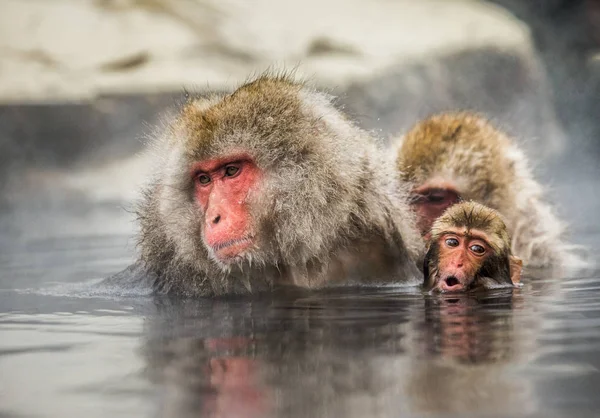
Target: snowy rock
(76, 49)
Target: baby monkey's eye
(452, 242)
(477, 249)
(436, 197)
(203, 179)
(231, 170)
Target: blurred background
(82, 82)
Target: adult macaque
(271, 185)
(469, 248)
(460, 156)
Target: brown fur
(329, 208)
(487, 166)
(472, 215)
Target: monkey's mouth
(450, 284)
(451, 281)
(232, 248)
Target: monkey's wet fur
(456, 156)
(273, 186)
(321, 206)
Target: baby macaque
(451, 157)
(469, 248)
(271, 185)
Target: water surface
(70, 348)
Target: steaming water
(73, 349)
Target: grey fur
(330, 209)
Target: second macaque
(469, 248)
(452, 157)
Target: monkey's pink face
(222, 187)
(461, 256)
(430, 201)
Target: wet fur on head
(326, 188)
(473, 215)
(487, 166)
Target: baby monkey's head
(469, 247)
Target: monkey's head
(455, 156)
(270, 173)
(469, 248)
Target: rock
(507, 85)
(79, 49)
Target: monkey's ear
(497, 268)
(426, 262)
(431, 259)
(516, 267)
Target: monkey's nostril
(217, 219)
(451, 281)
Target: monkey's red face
(222, 187)
(430, 201)
(461, 255)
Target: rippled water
(70, 348)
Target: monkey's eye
(203, 179)
(435, 197)
(477, 249)
(231, 170)
(452, 242)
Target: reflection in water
(467, 346)
(287, 355)
(470, 329)
(377, 353)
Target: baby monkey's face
(462, 253)
(469, 248)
